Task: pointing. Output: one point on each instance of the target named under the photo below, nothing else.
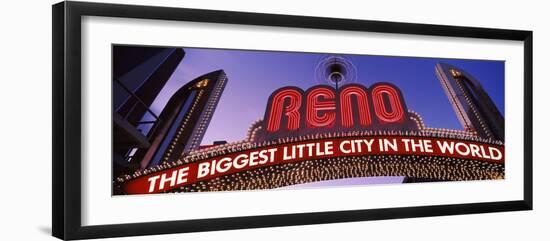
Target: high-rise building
(139, 74)
(183, 121)
(474, 108)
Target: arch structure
(481, 120)
(418, 167)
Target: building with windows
(139, 74)
(182, 123)
(474, 108)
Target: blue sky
(254, 75)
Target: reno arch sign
(292, 111)
(337, 130)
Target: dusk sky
(254, 75)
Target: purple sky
(254, 75)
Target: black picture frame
(66, 47)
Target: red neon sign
(322, 106)
(293, 100)
(346, 107)
(395, 112)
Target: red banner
(183, 175)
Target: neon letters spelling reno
(353, 105)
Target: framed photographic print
(170, 120)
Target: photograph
(190, 119)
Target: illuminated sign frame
(291, 111)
